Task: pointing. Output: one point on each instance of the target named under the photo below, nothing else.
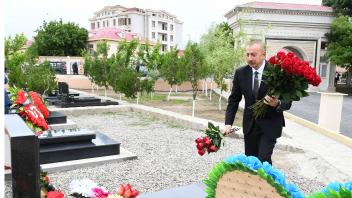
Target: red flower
(21, 97)
(199, 146)
(281, 55)
(198, 140)
(212, 148)
(201, 152)
(39, 103)
(55, 194)
(273, 60)
(46, 178)
(290, 55)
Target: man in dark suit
(259, 134)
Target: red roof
(287, 6)
(113, 34)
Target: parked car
(59, 67)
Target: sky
(25, 16)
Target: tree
(24, 72)
(170, 69)
(343, 7)
(221, 54)
(339, 49)
(195, 68)
(60, 39)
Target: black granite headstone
(24, 158)
(63, 88)
(56, 117)
(68, 144)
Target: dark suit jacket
(273, 121)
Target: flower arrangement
(253, 166)
(211, 142)
(287, 78)
(273, 177)
(335, 189)
(28, 110)
(86, 188)
(37, 100)
(47, 190)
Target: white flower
(83, 186)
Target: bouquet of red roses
(212, 141)
(287, 78)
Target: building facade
(298, 28)
(154, 25)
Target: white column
(330, 110)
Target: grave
(73, 144)
(65, 99)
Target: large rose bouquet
(28, 110)
(287, 78)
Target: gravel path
(167, 156)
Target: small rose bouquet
(287, 77)
(212, 141)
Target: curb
(321, 130)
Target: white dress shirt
(260, 74)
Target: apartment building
(154, 25)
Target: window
(91, 49)
(172, 27)
(324, 45)
(92, 26)
(107, 23)
(124, 21)
(153, 35)
(164, 26)
(103, 23)
(153, 14)
(98, 24)
(163, 48)
(153, 24)
(114, 22)
(171, 38)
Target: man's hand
(227, 129)
(271, 101)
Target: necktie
(256, 84)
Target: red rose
(281, 55)
(21, 97)
(55, 194)
(205, 139)
(290, 55)
(201, 152)
(46, 178)
(135, 193)
(198, 140)
(199, 146)
(127, 194)
(212, 148)
(272, 60)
